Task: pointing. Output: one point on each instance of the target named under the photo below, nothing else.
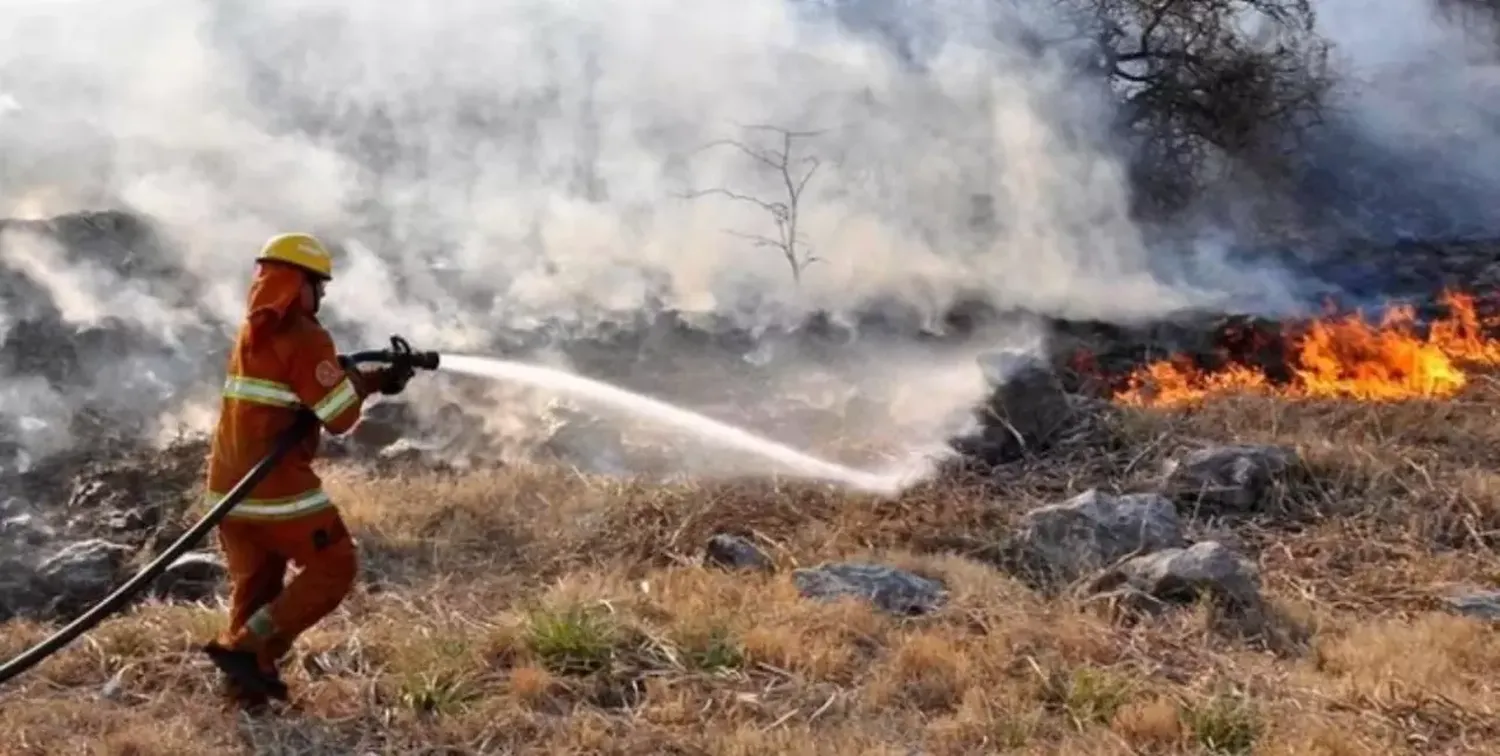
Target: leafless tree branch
(794, 175)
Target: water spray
(796, 462)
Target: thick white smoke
(492, 166)
(542, 150)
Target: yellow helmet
(301, 250)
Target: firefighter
(283, 363)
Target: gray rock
(1028, 410)
(1182, 576)
(1235, 480)
(1223, 534)
(736, 553)
(1060, 543)
(82, 572)
(194, 576)
(1479, 604)
(892, 590)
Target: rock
(194, 576)
(1233, 480)
(736, 553)
(890, 589)
(1060, 543)
(1182, 575)
(1479, 604)
(82, 573)
(1028, 411)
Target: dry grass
(535, 611)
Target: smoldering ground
(567, 169)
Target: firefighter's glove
(392, 380)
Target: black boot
(238, 698)
(243, 672)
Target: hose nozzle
(402, 353)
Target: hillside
(531, 609)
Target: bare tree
(1200, 82)
(1196, 81)
(793, 174)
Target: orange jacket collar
(275, 295)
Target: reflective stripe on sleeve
(337, 400)
(259, 391)
(276, 509)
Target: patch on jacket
(329, 374)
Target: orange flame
(1341, 357)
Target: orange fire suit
(282, 359)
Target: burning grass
(1341, 355)
(537, 611)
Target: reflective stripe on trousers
(276, 509)
(275, 394)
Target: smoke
(34, 428)
(498, 168)
(543, 150)
(1411, 149)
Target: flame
(1344, 357)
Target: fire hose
(399, 354)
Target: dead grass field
(534, 611)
